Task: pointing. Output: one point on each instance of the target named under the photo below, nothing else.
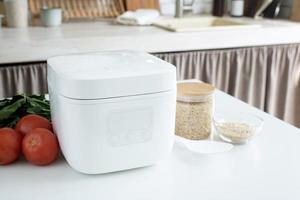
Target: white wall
(200, 6)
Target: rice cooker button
(130, 138)
(114, 139)
(137, 136)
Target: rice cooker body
(130, 128)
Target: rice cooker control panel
(129, 127)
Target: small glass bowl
(237, 128)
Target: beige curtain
(22, 78)
(265, 77)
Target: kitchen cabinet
(267, 77)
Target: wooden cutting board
(295, 16)
(136, 4)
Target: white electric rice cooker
(112, 111)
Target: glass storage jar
(194, 110)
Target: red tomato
(40, 146)
(10, 145)
(30, 122)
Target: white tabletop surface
(39, 43)
(266, 168)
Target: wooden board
(136, 4)
(296, 11)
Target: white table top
(266, 168)
(39, 43)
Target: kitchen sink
(201, 23)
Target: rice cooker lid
(109, 74)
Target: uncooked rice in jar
(194, 119)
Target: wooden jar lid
(193, 89)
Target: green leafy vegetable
(8, 110)
(12, 110)
(3, 103)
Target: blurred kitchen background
(110, 8)
(251, 52)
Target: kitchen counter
(266, 168)
(39, 43)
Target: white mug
(51, 16)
